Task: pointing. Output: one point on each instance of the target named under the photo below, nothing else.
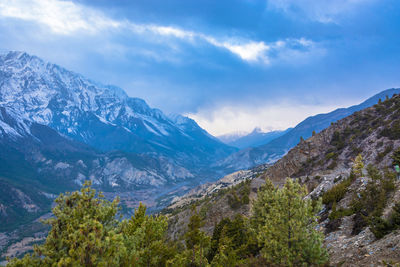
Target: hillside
(279, 146)
(357, 208)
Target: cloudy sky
(230, 64)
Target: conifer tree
(85, 231)
(197, 244)
(287, 231)
(145, 239)
(226, 255)
(358, 165)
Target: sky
(231, 65)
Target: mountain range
(278, 147)
(256, 138)
(58, 129)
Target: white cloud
(68, 18)
(62, 17)
(249, 50)
(268, 116)
(325, 11)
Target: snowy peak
(102, 116)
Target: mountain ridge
(48, 94)
(278, 147)
(255, 138)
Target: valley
(199, 133)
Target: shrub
(337, 141)
(369, 204)
(337, 192)
(331, 155)
(340, 213)
(332, 165)
(396, 157)
(392, 132)
(382, 154)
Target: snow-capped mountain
(58, 128)
(101, 116)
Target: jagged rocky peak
(38, 82)
(90, 112)
(35, 93)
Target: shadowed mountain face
(58, 129)
(278, 147)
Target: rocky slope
(278, 147)
(324, 163)
(207, 189)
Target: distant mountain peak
(278, 147)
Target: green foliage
(382, 227)
(235, 238)
(197, 244)
(144, 237)
(226, 255)
(286, 226)
(331, 155)
(340, 213)
(85, 231)
(396, 157)
(337, 140)
(358, 165)
(392, 131)
(239, 195)
(382, 154)
(369, 204)
(338, 191)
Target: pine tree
(145, 239)
(358, 165)
(265, 198)
(226, 255)
(85, 231)
(287, 226)
(197, 244)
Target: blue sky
(231, 65)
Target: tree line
(88, 230)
